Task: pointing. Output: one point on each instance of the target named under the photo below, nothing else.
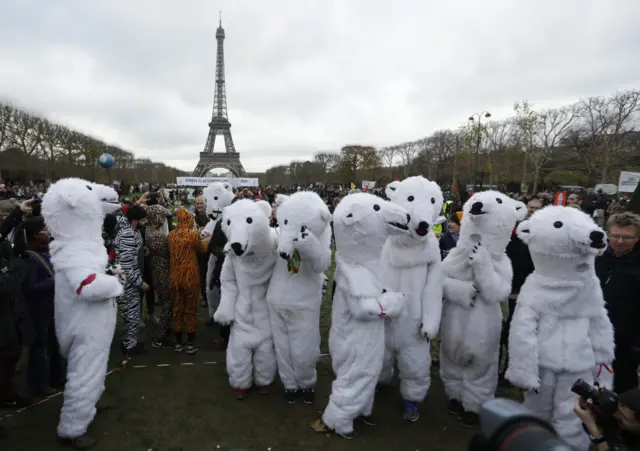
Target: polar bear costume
(247, 269)
(560, 330)
(216, 196)
(411, 265)
(362, 222)
(294, 298)
(85, 309)
(477, 277)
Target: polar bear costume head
(74, 209)
(562, 240)
(362, 223)
(217, 196)
(422, 199)
(490, 217)
(246, 226)
(302, 210)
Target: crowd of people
(236, 250)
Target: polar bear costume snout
(559, 228)
(422, 199)
(109, 199)
(240, 222)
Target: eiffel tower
(219, 125)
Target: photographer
(627, 419)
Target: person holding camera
(622, 432)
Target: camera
(506, 425)
(603, 405)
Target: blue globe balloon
(106, 161)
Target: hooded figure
(477, 277)
(184, 278)
(157, 240)
(361, 305)
(246, 271)
(85, 309)
(295, 290)
(411, 265)
(217, 196)
(560, 330)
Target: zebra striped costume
(128, 244)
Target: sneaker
(454, 407)
(191, 348)
(411, 411)
(291, 396)
(367, 419)
(470, 419)
(83, 442)
(154, 319)
(178, 347)
(241, 393)
(158, 344)
(308, 395)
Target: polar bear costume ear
(390, 189)
(523, 231)
(264, 207)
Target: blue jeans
(45, 367)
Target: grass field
(191, 408)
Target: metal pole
(475, 178)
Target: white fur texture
(294, 299)
(73, 210)
(245, 276)
(411, 265)
(477, 277)
(560, 329)
(362, 223)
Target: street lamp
(472, 118)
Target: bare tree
(6, 122)
(387, 156)
(407, 152)
(499, 135)
(550, 129)
(607, 123)
(326, 161)
(27, 132)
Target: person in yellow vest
(446, 207)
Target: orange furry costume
(184, 276)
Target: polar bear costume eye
(89, 188)
(433, 200)
(249, 220)
(498, 200)
(376, 207)
(286, 221)
(558, 224)
(215, 197)
(410, 198)
(228, 221)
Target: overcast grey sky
(305, 75)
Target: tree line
(585, 143)
(33, 148)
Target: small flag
(560, 198)
(352, 186)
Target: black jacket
(521, 262)
(620, 282)
(16, 328)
